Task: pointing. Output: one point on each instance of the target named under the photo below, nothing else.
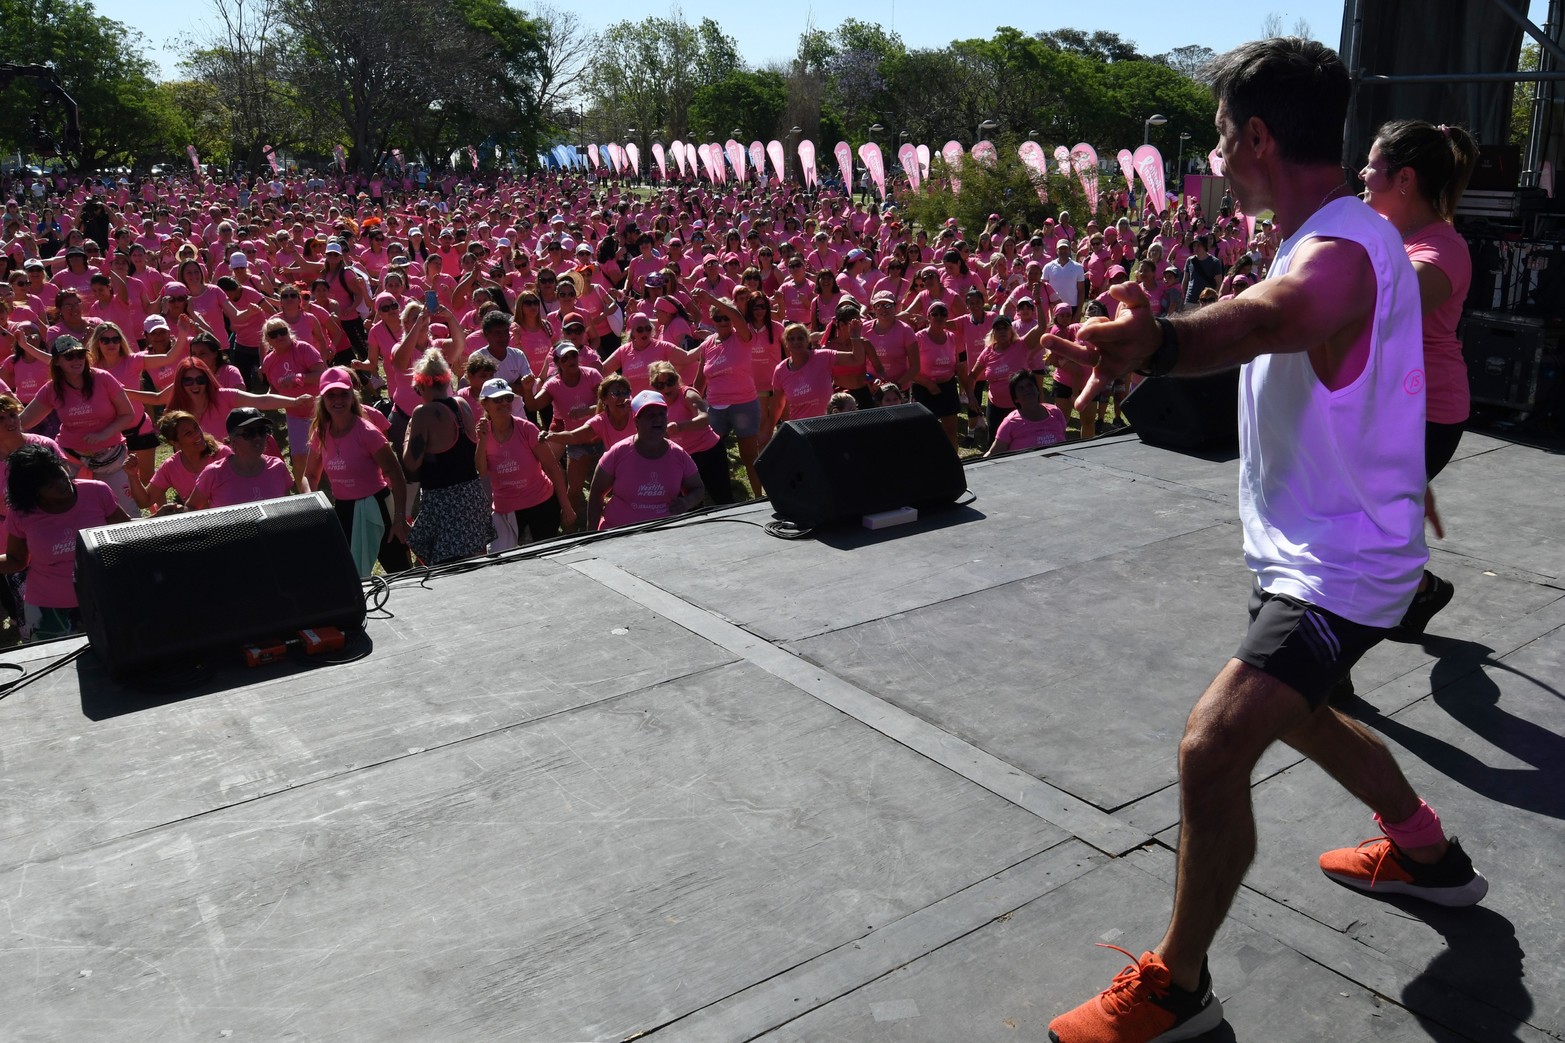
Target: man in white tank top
(1331, 498)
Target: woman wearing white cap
(645, 477)
(367, 485)
(529, 496)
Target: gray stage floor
(702, 784)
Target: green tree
(100, 64)
(1522, 96)
(645, 75)
(751, 101)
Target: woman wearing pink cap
(528, 494)
(646, 477)
(367, 486)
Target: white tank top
(1331, 483)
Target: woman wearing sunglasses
(196, 391)
(94, 413)
(294, 368)
(108, 351)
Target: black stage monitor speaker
(1191, 414)
(162, 591)
(832, 469)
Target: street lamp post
(1157, 119)
(793, 132)
(985, 125)
(1184, 136)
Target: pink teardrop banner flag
(923, 160)
(774, 152)
(844, 156)
(1062, 159)
(633, 153)
(705, 164)
(676, 152)
(657, 157)
(1127, 166)
(592, 156)
(758, 161)
(271, 158)
(195, 159)
(1032, 155)
(472, 155)
(736, 157)
(875, 163)
(342, 158)
(984, 153)
(714, 162)
(1149, 166)
(1084, 160)
(617, 156)
(807, 162)
(952, 152)
(1214, 159)
(907, 155)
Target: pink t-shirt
(997, 367)
(937, 361)
(80, 416)
(25, 375)
(891, 346)
(1017, 432)
(607, 433)
(572, 405)
(642, 489)
(349, 461)
(127, 369)
(286, 371)
(1447, 397)
(516, 478)
(225, 486)
(765, 353)
(51, 543)
(634, 364)
(730, 374)
(175, 475)
(808, 388)
(692, 439)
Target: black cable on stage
(12, 687)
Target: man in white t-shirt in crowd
(511, 365)
(1065, 277)
(1331, 499)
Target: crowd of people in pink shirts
(468, 366)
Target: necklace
(1329, 195)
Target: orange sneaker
(1379, 867)
(1142, 1006)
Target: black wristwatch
(1167, 353)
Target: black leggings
(538, 522)
(712, 464)
(393, 555)
(1440, 442)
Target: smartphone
(431, 304)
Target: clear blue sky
(770, 31)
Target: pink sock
(1421, 830)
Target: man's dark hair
(495, 318)
(1298, 88)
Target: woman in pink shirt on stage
(646, 477)
(1415, 176)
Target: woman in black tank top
(454, 519)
